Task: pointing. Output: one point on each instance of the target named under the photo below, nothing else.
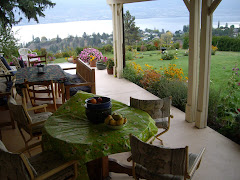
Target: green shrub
(128, 55)
(128, 48)
(226, 43)
(177, 45)
(143, 48)
(130, 74)
(79, 50)
(161, 88)
(58, 55)
(186, 53)
(107, 48)
(150, 47)
(65, 54)
(167, 56)
(177, 89)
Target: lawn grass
(220, 72)
(221, 65)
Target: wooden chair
(5, 93)
(83, 80)
(45, 165)
(36, 90)
(158, 109)
(159, 162)
(31, 124)
(16, 62)
(7, 71)
(38, 59)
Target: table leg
(56, 89)
(99, 169)
(63, 92)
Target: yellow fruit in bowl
(113, 122)
(120, 122)
(116, 116)
(107, 120)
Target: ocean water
(76, 17)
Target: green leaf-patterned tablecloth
(70, 132)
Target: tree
(186, 28)
(8, 42)
(130, 29)
(31, 9)
(166, 38)
(186, 41)
(43, 39)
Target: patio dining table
(51, 72)
(69, 132)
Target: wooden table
(52, 72)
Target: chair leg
(25, 141)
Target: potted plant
(110, 64)
(91, 56)
(101, 64)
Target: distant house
(145, 38)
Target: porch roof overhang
(200, 23)
(124, 1)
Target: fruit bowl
(115, 127)
(115, 121)
(98, 103)
(98, 108)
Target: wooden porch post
(114, 32)
(194, 37)
(117, 38)
(208, 7)
(117, 8)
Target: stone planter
(100, 66)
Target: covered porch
(220, 160)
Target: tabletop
(70, 132)
(52, 72)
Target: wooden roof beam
(124, 1)
(213, 6)
(187, 3)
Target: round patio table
(69, 132)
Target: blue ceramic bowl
(105, 104)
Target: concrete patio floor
(221, 160)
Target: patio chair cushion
(143, 172)
(3, 87)
(7, 86)
(21, 63)
(162, 122)
(7, 170)
(7, 65)
(47, 160)
(75, 79)
(38, 118)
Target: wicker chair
(31, 124)
(158, 109)
(45, 165)
(159, 162)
